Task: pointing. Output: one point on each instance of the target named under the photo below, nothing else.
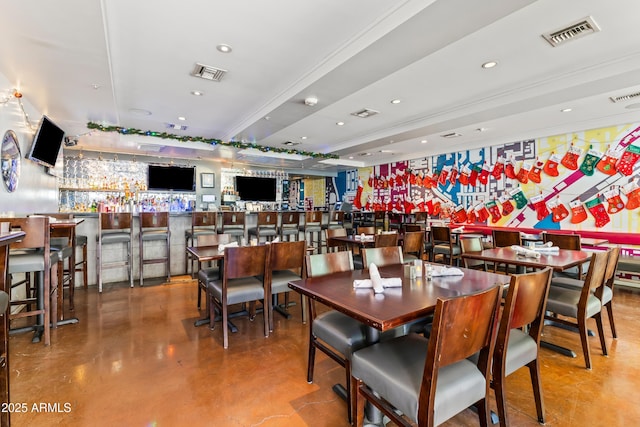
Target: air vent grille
(624, 97)
(451, 135)
(576, 30)
(174, 126)
(291, 143)
(365, 112)
(208, 72)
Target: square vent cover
(208, 72)
(365, 112)
(574, 31)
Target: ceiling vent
(624, 97)
(291, 143)
(208, 72)
(174, 126)
(365, 112)
(451, 135)
(364, 154)
(576, 30)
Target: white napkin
(364, 237)
(376, 282)
(458, 230)
(525, 252)
(276, 240)
(221, 247)
(446, 271)
(547, 249)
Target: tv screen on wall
(252, 189)
(46, 143)
(177, 178)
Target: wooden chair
(286, 264)
(202, 224)
(81, 242)
(406, 374)
(607, 290)
(334, 333)
(365, 230)
(516, 346)
(472, 244)
(571, 242)
(312, 226)
(62, 243)
(333, 246)
(114, 228)
(239, 284)
(289, 225)
(378, 221)
(582, 304)
(33, 254)
(428, 244)
(154, 227)
(443, 246)
(385, 239)
(267, 226)
(233, 223)
(207, 274)
(336, 219)
(381, 256)
(413, 245)
(505, 239)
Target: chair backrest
(421, 217)
(505, 238)
(62, 233)
(232, 219)
(267, 219)
(204, 219)
(385, 239)
(595, 279)
(336, 217)
(332, 262)
(413, 227)
(335, 232)
(288, 255)
(612, 266)
(154, 220)
(462, 326)
(213, 239)
(382, 256)
(38, 235)
(365, 230)
(440, 235)
(413, 243)
(471, 244)
(245, 261)
(312, 218)
(116, 221)
(524, 305)
(291, 219)
(563, 241)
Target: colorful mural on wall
(584, 180)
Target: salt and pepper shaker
(429, 272)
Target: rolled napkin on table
(529, 253)
(547, 249)
(376, 282)
(458, 230)
(221, 247)
(438, 271)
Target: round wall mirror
(10, 160)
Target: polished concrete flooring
(135, 359)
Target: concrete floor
(135, 359)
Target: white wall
(36, 191)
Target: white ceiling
(349, 54)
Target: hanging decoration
(607, 164)
(614, 201)
(570, 159)
(493, 209)
(518, 196)
(535, 172)
(596, 207)
(523, 173)
(459, 214)
(590, 161)
(551, 165)
(578, 212)
(464, 175)
(498, 167)
(211, 141)
(558, 209)
(540, 206)
(507, 204)
(484, 174)
(632, 191)
(628, 160)
(510, 168)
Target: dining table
(396, 306)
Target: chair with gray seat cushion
(114, 228)
(505, 239)
(210, 272)
(154, 227)
(386, 255)
(334, 333)
(430, 381)
(582, 304)
(443, 246)
(289, 225)
(312, 227)
(413, 245)
(472, 244)
(233, 223)
(202, 224)
(266, 226)
(571, 242)
(607, 290)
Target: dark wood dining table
(355, 241)
(560, 261)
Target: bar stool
(233, 224)
(114, 228)
(266, 227)
(81, 242)
(289, 225)
(154, 226)
(202, 224)
(312, 224)
(336, 219)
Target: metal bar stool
(154, 226)
(266, 227)
(114, 228)
(202, 223)
(312, 224)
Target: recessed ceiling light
(95, 86)
(481, 129)
(140, 112)
(489, 64)
(350, 157)
(267, 117)
(311, 101)
(182, 118)
(565, 110)
(396, 101)
(386, 151)
(424, 141)
(224, 48)
(197, 93)
(303, 137)
(340, 123)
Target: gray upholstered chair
(114, 228)
(571, 242)
(212, 272)
(334, 333)
(202, 224)
(386, 255)
(503, 239)
(266, 226)
(430, 381)
(413, 245)
(582, 304)
(233, 223)
(443, 246)
(286, 263)
(154, 227)
(312, 226)
(332, 245)
(289, 223)
(472, 244)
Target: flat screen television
(178, 178)
(46, 143)
(256, 189)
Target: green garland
(210, 141)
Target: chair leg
(267, 315)
(499, 388)
(347, 368)
(99, 266)
(312, 358)
(168, 259)
(483, 412)
(225, 321)
(584, 338)
(534, 372)
(612, 324)
(130, 259)
(141, 260)
(603, 341)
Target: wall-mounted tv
(46, 143)
(178, 178)
(256, 189)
